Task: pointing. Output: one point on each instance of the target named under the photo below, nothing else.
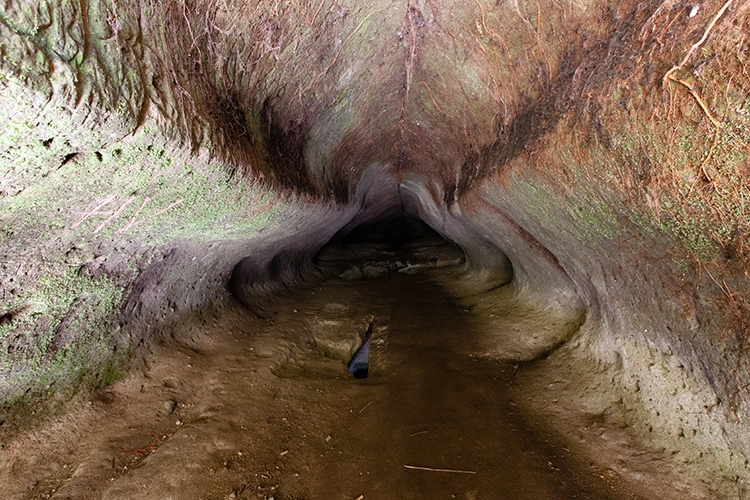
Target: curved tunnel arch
(503, 263)
(414, 130)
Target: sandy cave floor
(261, 409)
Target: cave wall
(120, 224)
(155, 153)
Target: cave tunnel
(305, 249)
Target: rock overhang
(425, 88)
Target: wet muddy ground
(265, 409)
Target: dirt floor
(265, 409)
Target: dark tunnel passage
(391, 232)
(394, 243)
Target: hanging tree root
(697, 96)
(669, 75)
